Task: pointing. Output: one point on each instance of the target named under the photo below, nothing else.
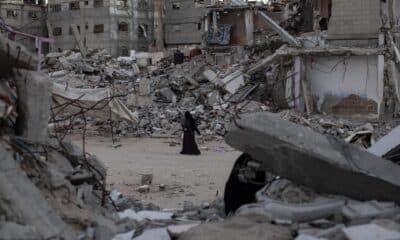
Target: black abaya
(189, 146)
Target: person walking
(189, 146)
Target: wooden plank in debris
(286, 51)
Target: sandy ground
(186, 178)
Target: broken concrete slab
(11, 231)
(176, 231)
(305, 212)
(387, 143)
(15, 55)
(357, 212)
(233, 81)
(370, 232)
(155, 215)
(238, 228)
(167, 95)
(307, 237)
(323, 163)
(144, 87)
(152, 234)
(124, 236)
(34, 100)
(17, 193)
(211, 76)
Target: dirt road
(186, 178)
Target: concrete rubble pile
(319, 201)
(158, 94)
(50, 188)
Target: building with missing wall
(115, 25)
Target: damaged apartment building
(115, 25)
(337, 65)
(27, 16)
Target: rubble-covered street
(200, 120)
(176, 179)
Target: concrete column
(249, 22)
(158, 24)
(215, 24)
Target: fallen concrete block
(59, 74)
(233, 82)
(279, 211)
(323, 163)
(365, 211)
(11, 231)
(211, 76)
(370, 232)
(152, 234)
(131, 214)
(167, 95)
(21, 201)
(238, 228)
(334, 232)
(34, 100)
(155, 215)
(388, 145)
(176, 231)
(144, 87)
(307, 237)
(124, 236)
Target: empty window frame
(176, 28)
(74, 5)
(57, 31)
(124, 51)
(142, 5)
(55, 8)
(33, 14)
(12, 13)
(123, 27)
(176, 6)
(98, 3)
(98, 28)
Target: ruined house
(117, 26)
(26, 16)
(349, 85)
(342, 70)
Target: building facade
(115, 25)
(183, 24)
(25, 16)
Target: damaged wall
(184, 21)
(117, 26)
(28, 18)
(348, 86)
(355, 20)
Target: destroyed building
(117, 26)
(281, 86)
(26, 16)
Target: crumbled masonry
(308, 93)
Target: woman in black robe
(189, 146)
